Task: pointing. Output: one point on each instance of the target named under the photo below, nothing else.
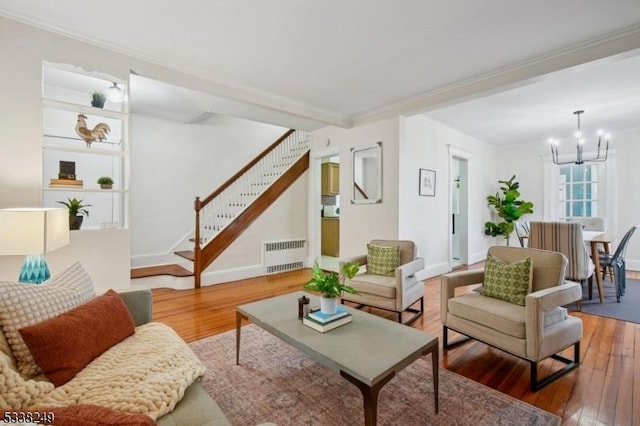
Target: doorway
(459, 211)
(330, 213)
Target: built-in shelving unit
(67, 93)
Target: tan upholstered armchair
(396, 293)
(538, 330)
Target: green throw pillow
(382, 260)
(510, 282)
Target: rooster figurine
(99, 133)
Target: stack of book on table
(324, 322)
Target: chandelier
(580, 159)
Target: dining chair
(566, 238)
(594, 224)
(616, 263)
(522, 232)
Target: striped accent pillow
(382, 260)
(510, 282)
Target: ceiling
(345, 62)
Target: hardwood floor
(604, 390)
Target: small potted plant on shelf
(97, 99)
(105, 182)
(331, 285)
(76, 210)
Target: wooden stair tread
(151, 271)
(187, 254)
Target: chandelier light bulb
(600, 155)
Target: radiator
(283, 255)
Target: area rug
(627, 310)
(277, 383)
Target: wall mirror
(367, 174)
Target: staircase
(222, 216)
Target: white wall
(23, 48)
(627, 147)
(172, 163)
(285, 219)
(101, 252)
(359, 223)
(425, 144)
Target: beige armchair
(396, 293)
(538, 330)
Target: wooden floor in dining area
(604, 390)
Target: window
(578, 191)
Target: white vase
(328, 305)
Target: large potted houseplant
(508, 207)
(331, 285)
(76, 212)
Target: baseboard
(480, 256)
(235, 274)
(632, 265)
(151, 260)
(208, 278)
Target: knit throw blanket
(147, 373)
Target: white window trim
(607, 189)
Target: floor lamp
(33, 232)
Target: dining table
(595, 239)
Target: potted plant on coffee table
(331, 285)
(76, 212)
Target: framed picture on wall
(427, 183)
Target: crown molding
(215, 86)
(612, 46)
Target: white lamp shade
(25, 231)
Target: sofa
(196, 406)
(127, 373)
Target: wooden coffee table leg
(239, 318)
(369, 396)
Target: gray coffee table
(368, 352)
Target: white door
(459, 211)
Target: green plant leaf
(330, 284)
(507, 207)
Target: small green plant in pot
(98, 99)
(508, 207)
(105, 182)
(331, 285)
(76, 212)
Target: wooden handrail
(199, 204)
(228, 235)
(360, 190)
